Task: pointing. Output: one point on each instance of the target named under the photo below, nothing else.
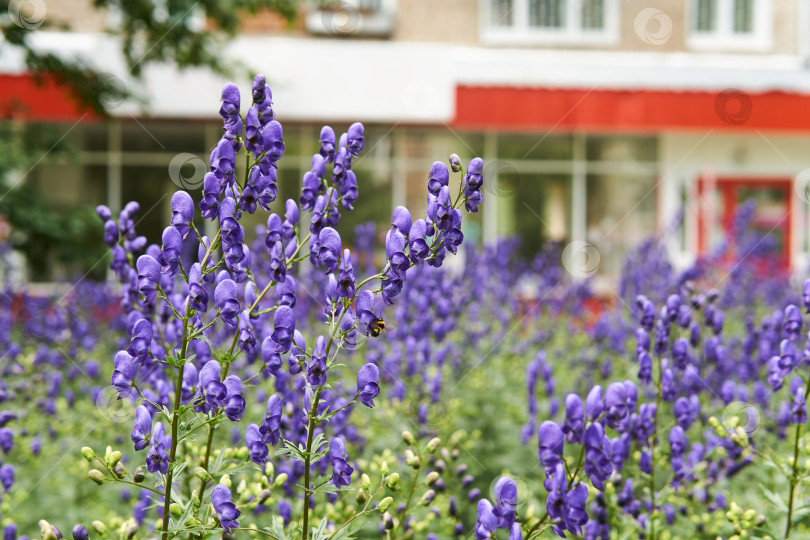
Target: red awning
(25, 99)
(483, 107)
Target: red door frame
(727, 187)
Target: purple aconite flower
(283, 328)
(550, 443)
(226, 301)
(330, 247)
(593, 403)
(142, 429)
(198, 296)
(270, 428)
(222, 500)
(316, 369)
(341, 470)
(487, 522)
(6, 440)
(234, 400)
(182, 212)
(124, 374)
(615, 404)
(367, 387)
(356, 140)
(156, 459)
(210, 386)
(345, 281)
(169, 258)
(574, 424)
(419, 248)
(255, 445)
(7, 476)
(209, 204)
(598, 466)
(148, 277)
(141, 342)
(506, 500)
(798, 411)
(792, 323)
(437, 178)
(327, 138)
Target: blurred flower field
(276, 385)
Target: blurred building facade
(598, 119)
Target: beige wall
(454, 21)
(78, 15)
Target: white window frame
(520, 33)
(760, 39)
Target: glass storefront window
(621, 215)
(539, 207)
(513, 146)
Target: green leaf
(276, 528)
(319, 533)
(775, 499)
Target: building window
(501, 14)
(550, 22)
(731, 25)
(547, 13)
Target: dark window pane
(547, 13)
(593, 14)
(502, 13)
(706, 15)
(618, 223)
(535, 146)
(616, 148)
(540, 203)
(743, 16)
(152, 136)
